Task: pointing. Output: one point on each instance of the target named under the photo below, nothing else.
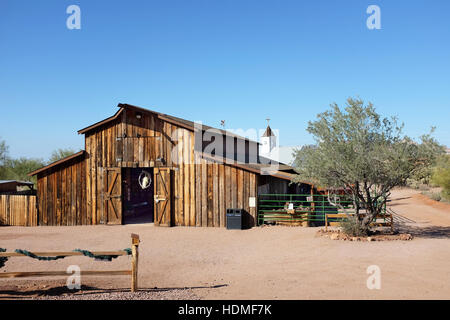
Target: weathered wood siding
(101, 148)
(61, 195)
(72, 193)
(202, 190)
(126, 142)
(18, 210)
(216, 187)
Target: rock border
(338, 235)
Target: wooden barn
(144, 166)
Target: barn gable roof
(186, 124)
(284, 171)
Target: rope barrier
(32, 255)
(101, 257)
(86, 253)
(55, 255)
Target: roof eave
(56, 163)
(100, 123)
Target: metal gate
(302, 209)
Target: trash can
(234, 219)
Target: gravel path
(124, 295)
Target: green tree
(441, 175)
(3, 159)
(425, 173)
(360, 151)
(60, 154)
(18, 169)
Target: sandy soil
(260, 263)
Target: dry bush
(352, 227)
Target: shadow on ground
(430, 232)
(60, 290)
(398, 199)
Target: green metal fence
(301, 208)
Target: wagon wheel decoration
(145, 180)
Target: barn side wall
(72, 193)
(61, 195)
(218, 187)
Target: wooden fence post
(134, 261)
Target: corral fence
(306, 209)
(97, 255)
(18, 210)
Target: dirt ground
(260, 263)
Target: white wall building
(270, 148)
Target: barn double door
(112, 196)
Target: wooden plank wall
(203, 199)
(101, 146)
(143, 142)
(203, 190)
(71, 194)
(18, 210)
(61, 195)
(127, 142)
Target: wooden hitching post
(134, 261)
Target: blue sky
(241, 61)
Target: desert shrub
(352, 227)
(423, 187)
(433, 185)
(433, 195)
(436, 196)
(420, 185)
(414, 184)
(441, 176)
